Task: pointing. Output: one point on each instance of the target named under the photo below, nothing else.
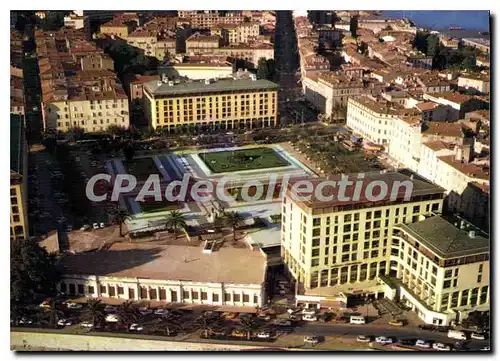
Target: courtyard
(141, 168)
(241, 160)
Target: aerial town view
(236, 180)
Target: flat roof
(420, 187)
(447, 240)
(216, 86)
(16, 143)
(170, 262)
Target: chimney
(467, 153)
(472, 234)
(164, 78)
(458, 153)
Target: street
(379, 330)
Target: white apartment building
(480, 82)
(440, 268)
(74, 21)
(182, 274)
(337, 250)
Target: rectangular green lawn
(240, 160)
(141, 168)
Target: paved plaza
(175, 166)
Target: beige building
(209, 19)
(338, 250)
(440, 268)
(480, 82)
(18, 179)
(224, 103)
(250, 53)
(74, 21)
(200, 44)
(198, 71)
(146, 40)
(182, 274)
(92, 101)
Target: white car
(486, 348)
(145, 311)
(422, 344)
(112, 318)
(110, 309)
(85, 227)
(441, 347)
(311, 339)
(363, 338)
(95, 225)
(136, 327)
(101, 225)
(74, 306)
(86, 324)
(310, 318)
(477, 336)
(161, 311)
(25, 321)
(64, 322)
(383, 340)
(263, 334)
(309, 311)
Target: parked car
(161, 311)
(427, 327)
(25, 321)
(64, 322)
(281, 322)
(229, 315)
(362, 338)
(45, 304)
(398, 323)
(264, 334)
(309, 318)
(309, 311)
(136, 327)
(422, 344)
(86, 324)
(311, 339)
(477, 336)
(101, 225)
(110, 309)
(74, 306)
(326, 317)
(112, 318)
(239, 333)
(485, 348)
(383, 340)
(441, 347)
(357, 320)
(264, 317)
(407, 342)
(145, 311)
(95, 225)
(457, 335)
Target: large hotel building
(223, 104)
(400, 249)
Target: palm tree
(251, 324)
(95, 311)
(168, 323)
(176, 220)
(54, 313)
(121, 217)
(233, 219)
(208, 322)
(127, 312)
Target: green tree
(168, 324)
(127, 312)
(469, 62)
(251, 324)
(262, 69)
(233, 219)
(353, 26)
(208, 322)
(53, 313)
(121, 217)
(175, 220)
(95, 312)
(432, 45)
(33, 272)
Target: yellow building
(224, 103)
(18, 180)
(336, 250)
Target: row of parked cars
(383, 340)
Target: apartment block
(337, 250)
(200, 44)
(224, 103)
(440, 268)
